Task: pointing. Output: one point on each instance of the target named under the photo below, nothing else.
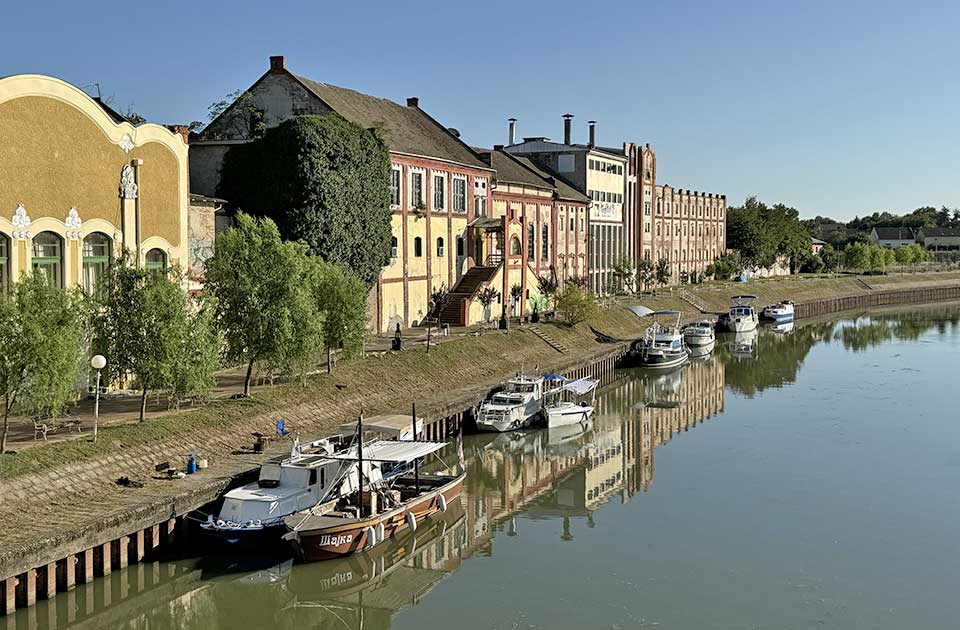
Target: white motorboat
(661, 347)
(514, 407)
(563, 405)
(309, 477)
(702, 353)
(745, 343)
(780, 313)
(696, 334)
(742, 317)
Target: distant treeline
(840, 234)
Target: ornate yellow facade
(77, 187)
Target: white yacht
(697, 334)
(780, 313)
(661, 347)
(564, 406)
(742, 317)
(514, 407)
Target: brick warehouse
(439, 184)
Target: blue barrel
(191, 465)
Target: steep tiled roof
(511, 171)
(940, 231)
(406, 129)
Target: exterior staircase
(465, 290)
(556, 345)
(691, 299)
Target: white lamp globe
(98, 362)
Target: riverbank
(61, 499)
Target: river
(804, 479)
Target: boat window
(269, 476)
(323, 477)
(313, 477)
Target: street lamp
(98, 362)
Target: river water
(800, 479)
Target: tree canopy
(323, 180)
(762, 233)
(41, 334)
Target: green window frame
(48, 257)
(4, 261)
(97, 256)
(155, 260)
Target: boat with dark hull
(661, 347)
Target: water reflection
(514, 480)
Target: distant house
(892, 237)
(816, 245)
(939, 239)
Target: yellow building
(78, 185)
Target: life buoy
(411, 521)
(443, 503)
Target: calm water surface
(797, 480)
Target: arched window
(514, 246)
(4, 262)
(96, 260)
(393, 247)
(460, 246)
(545, 254)
(418, 247)
(156, 260)
(48, 257)
(440, 247)
(531, 240)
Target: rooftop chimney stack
(593, 133)
(276, 63)
(567, 128)
(413, 101)
(511, 131)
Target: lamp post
(98, 362)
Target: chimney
(276, 63)
(413, 101)
(593, 133)
(511, 131)
(567, 128)
(498, 147)
(182, 130)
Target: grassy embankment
(395, 379)
(377, 384)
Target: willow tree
(264, 299)
(41, 337)
(323, 180)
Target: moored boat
(661, 347)
(780, 313)
(381, 510)
(563, 405)
(697, 334)
(741, 317)
(516, 406)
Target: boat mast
(360, 461)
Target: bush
(574, 305)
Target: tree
(832, 258)
(340, 299)
(857, 256)
(265, 304)
(547, 286)
(41, 334)
(199, 356)
(146, 328)
(762, 234)
(724, 267)
(813, 264)
(244, 120)
(575, 305)
(625, 274)
(516, 296)
(645, 273)
(486, 296)
(323, 180)
(662, 272)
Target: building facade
(600, 174)
(80, 185)
(892, 237)
(939, 239)
(439, 185)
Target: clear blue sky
(837, 108)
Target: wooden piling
(9, 595)
(86, 565)
(105, 560)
